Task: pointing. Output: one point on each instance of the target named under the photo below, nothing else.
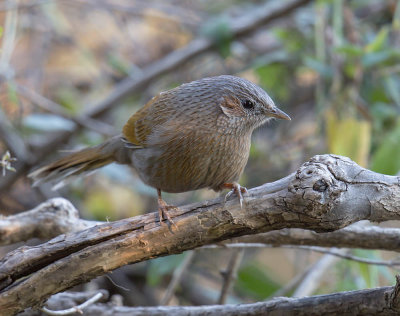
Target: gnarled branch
(325, 194)
(378, 301)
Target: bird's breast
(193, 161)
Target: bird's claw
(163, 209)
(238, 190)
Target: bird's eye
(247, 104)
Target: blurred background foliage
(332, 65)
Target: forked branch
(325, 194)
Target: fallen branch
(325, 194)
(75, 309)
(365, 237)
(50, 219)
(58, 216)
(229, 276)
(378, 301)
(177, 277)
(66, 300)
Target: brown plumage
(194, 136)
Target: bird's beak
(275, 112)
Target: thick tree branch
(50, 219)
(325, 194)
(365, 237)
(58, 216)
(379, 301)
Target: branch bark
(325, 194)
(379, 301)
(50, 219)
(365, 237)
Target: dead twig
(230, 274)
(317, 197)
(55, 108)
(177, 277)
(5, 162)
(75, 309)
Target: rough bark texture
(373, 237)
(379, 301)
(325, 194)
(48, 220)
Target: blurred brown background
(332, 65)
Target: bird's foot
(237, 189)
(163, 209)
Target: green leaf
(119, 64)
(162, 266)
(386, 158)
(219, 31)
(392, 88)
(253, 281)
(382, 111)
(271, 78)
(378, 42)
(350, 50)
(373, 91)
(323, 69)
(374, 58)
(348, 137)
(98, 205)
(369, 273)
(292, 40)
(12, 92)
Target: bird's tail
(78, 163)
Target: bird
(194, 136)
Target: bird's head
(245, 102)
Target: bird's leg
(163, 208)
(235, 188)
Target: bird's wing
(142, 124)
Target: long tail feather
(78, 163)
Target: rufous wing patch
(139, 125)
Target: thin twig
(176, 277)
(75, 309)
(8, 43)
(162, 10)
(344, 255)
(5, 163)
(283, 291)
(12, 140)
(315, 275)
(16, 6)
(7, 133)
(378, 301)
(230, 274)
(331, 251)
(56, 108)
